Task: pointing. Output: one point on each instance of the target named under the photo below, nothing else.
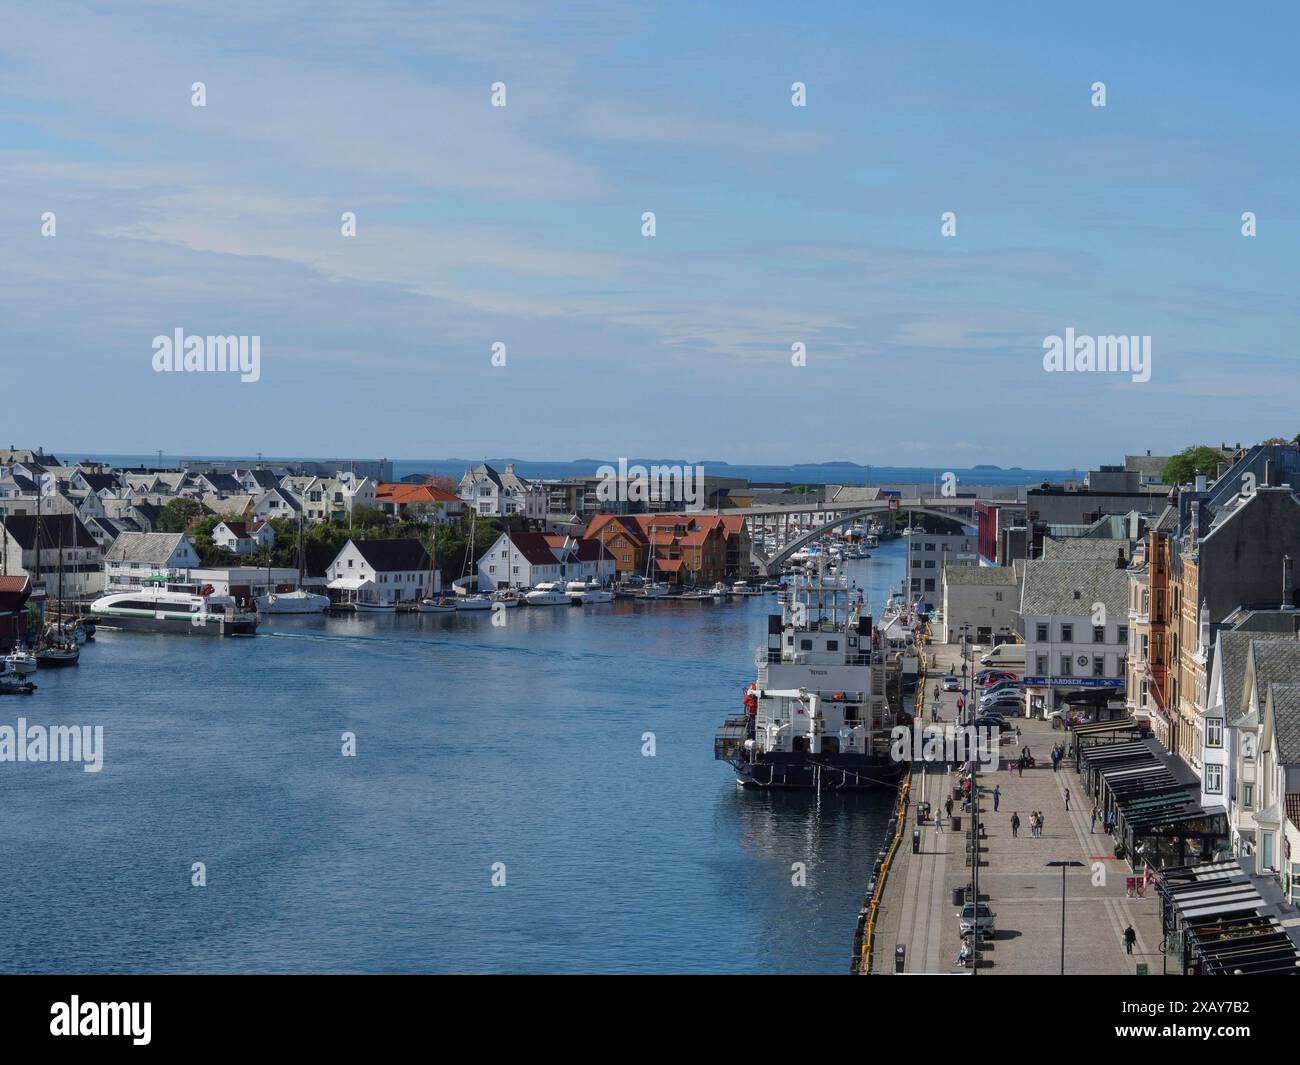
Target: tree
(1183, 467)
(177, 515)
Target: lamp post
(1063, 867)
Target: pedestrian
(1015, 825)
(997, 796)
(1093, 826)
(938, 825)
(947, 806)
(1040, 822)
(1067, 800)
(1130, 937)
(1017, 733)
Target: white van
(1007, 655)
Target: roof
(1150, 465)
(1293, 808)
(535, 548)
(1233, 649)
(56, 529)
(389, 556)
(263, 478)
(244, 529)
(97, 482)
(1285, 699)
(222, 482)
(969, 574)
(1086, 547)
(11, 585)
(414, 493)
(1071, 587)
(154, 547)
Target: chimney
(1286, 583)
(1195, 532)
(1200, 482)
(1268, 472)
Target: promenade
(917, 909)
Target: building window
(1214, 732)
(1248, 796)
(1099, 634)
(1067, 666)
(1121, 634)
(1040, 664)
(997, 596)
(1214, 780)
(1041, 632)
(1067, 633)
(1099, 665)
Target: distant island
(985, 466)
(837, 462)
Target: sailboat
(297, 601)
(56, 646)
(471, 602)
(434, 603)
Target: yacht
(817, 715)
(510, 599)
(588, 592)
(653, 590)
(185, 609)
(548, 593)
(473, 602)
(20, 663)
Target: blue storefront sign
(1073, 682)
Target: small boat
(473, 602)
(365, 606)
(296, 602)
(548, 593)
(508, 598)
(436, 606)
(12, 685)
(20, 663)
(654, 590)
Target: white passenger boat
(181, 608)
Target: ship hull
(177, 626)
(795, 772)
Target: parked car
(991, 721)
(995, 677)
(1006, 704)
(952, 683)
(976, 914)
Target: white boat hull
(292, 603)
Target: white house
(66, 547)
(502, 495)
(243, 537)
(985, 598)
(136, 556)
(526, 559)
(383, 571)
(276, 503)
(1075, 617)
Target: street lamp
(1063, 867)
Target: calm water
(476, 745)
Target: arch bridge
(959, 509)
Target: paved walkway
(1021, 890)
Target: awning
(350, 584)
(1115, 725)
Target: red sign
(893, 504)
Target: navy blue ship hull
(834, 772)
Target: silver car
(976, 913)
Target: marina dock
(917, 910)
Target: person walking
(947, 806)
(997, 796)
(1015, 825)
(1130, 937)
(1093, 827)
(1067, 800)
(938, 825)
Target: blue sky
(775, 225)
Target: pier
(916, 908)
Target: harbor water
(516, 753)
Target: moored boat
(185, 609)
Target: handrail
(869, 936)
